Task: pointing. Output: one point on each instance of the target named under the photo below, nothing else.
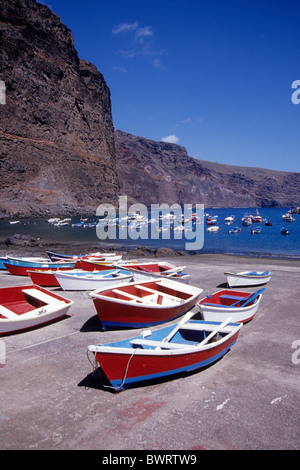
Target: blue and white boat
(247, 278)
(93, 280)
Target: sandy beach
(249, 400)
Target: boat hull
(247, 279)
(91, 280)
(124, 365)
(114, 312)
(18, 270)
(211, 310)
(18, 314)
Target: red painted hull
(125, 369)
(43, 278)
(23, 270)
(89, 266)
(115, 312)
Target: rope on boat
(94, 365)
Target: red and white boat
(27, 307)
(187, 346)
(241, 306)
(141, 304)
(47, 278)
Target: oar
(185, 319)
(250, 297)
(213, 333)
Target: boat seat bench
(8, 313)
(165, 294)
(38, 295)
(159, 344)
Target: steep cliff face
(57, 152)
(158, 172)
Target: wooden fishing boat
(247, 278)
(241, 306)
(157, 269)
(141, 304)
(166, 352)
(85, 280)
(97, 256)
(47, 278)
(27, 307)
(21, 268)
(87, 265)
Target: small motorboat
(247, 278)
(85, 280)
(241, 306)
(141, 304)
(30, 306)
(256, 230)
(234, 230)
(284, 231)
(166, 352)
(213, 228)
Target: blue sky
(214, 76)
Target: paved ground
(248, 400)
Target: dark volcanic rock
(157, 172)
(57, 151)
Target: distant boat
(234, 230)
(284, 231)
(213, 228)
(229, 219)
(247, 221)
(268, 223)
(12, 222)
(256, 230)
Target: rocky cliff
(59, 154)
(57, 151)
(159, 172)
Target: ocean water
(270, 242)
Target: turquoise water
(270, 242)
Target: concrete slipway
(248, 400)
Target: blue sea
(269, 243)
